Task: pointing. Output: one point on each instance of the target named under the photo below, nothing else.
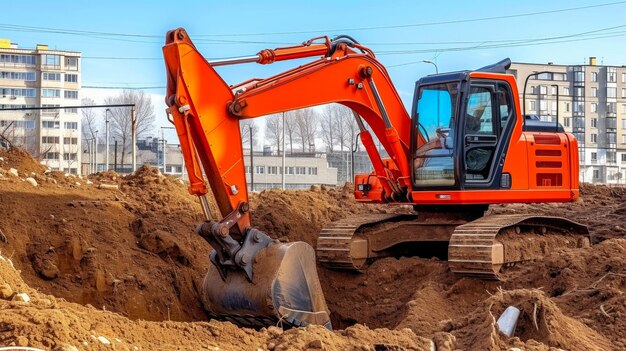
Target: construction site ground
(93, 267)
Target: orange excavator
(465, 145)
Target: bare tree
(14, 133)
(274, 130)
(247, 126)
(306, 128)
(350, 129)
(327, 127)
(290, 129)
(89, 120)
(121, 121)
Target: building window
(579, 92)
(70, 125)
(611, 156)
(611, 107)
(567, 107)
(566, 91)
(596, 174)
(594, 123)
(248, 169)
(553, 103)
(543, 105)
(594, 107)
(17, 124)
(51, 76)
(51, 60)
(51, 156)
(70, 94)
(594, 92)
(289, 170)
(567, 121)
(553, 90)
(579, 76)
(532, 106)
(71, 63)
(70, 141)
(272, 170)
(594, 76)
(71, 78)
(259, 169)
(26, 76)
(70, 157)
(611, 138)
(50, 124)
(312, 170)
(611, 92)
(21, 59)
(594, 156)
(624, 139)
(594, 138)
(623, 123)
(558, 76)
(543, 90)
(301, 170)
(10, 92)
(624, 158)
(611, 75)
(50, 93)
(50, 139)
(71, 110)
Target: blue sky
(226, 28)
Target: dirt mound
(132, 251)
(21, 160)
(299, 215)
(541, 323)
(34, 319)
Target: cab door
(486, 125)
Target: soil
(122, 263)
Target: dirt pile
(296, 215)
(21, 161)
(130, 251)
(41, 320)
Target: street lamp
(106, 121)
(432, 63)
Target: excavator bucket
(285, 290)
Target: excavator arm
(206, 112)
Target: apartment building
(591, 105)
(41, 77)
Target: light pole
(283, 159)
(106, 137)
(438, 93)
(251, 159)
(95, 149)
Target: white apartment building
(592, 106)
(42, 77)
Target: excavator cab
(467, 123)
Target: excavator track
(337, 246)
(481, 248)
(351, 243)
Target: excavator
(465, 145)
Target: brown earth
(125, 264)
